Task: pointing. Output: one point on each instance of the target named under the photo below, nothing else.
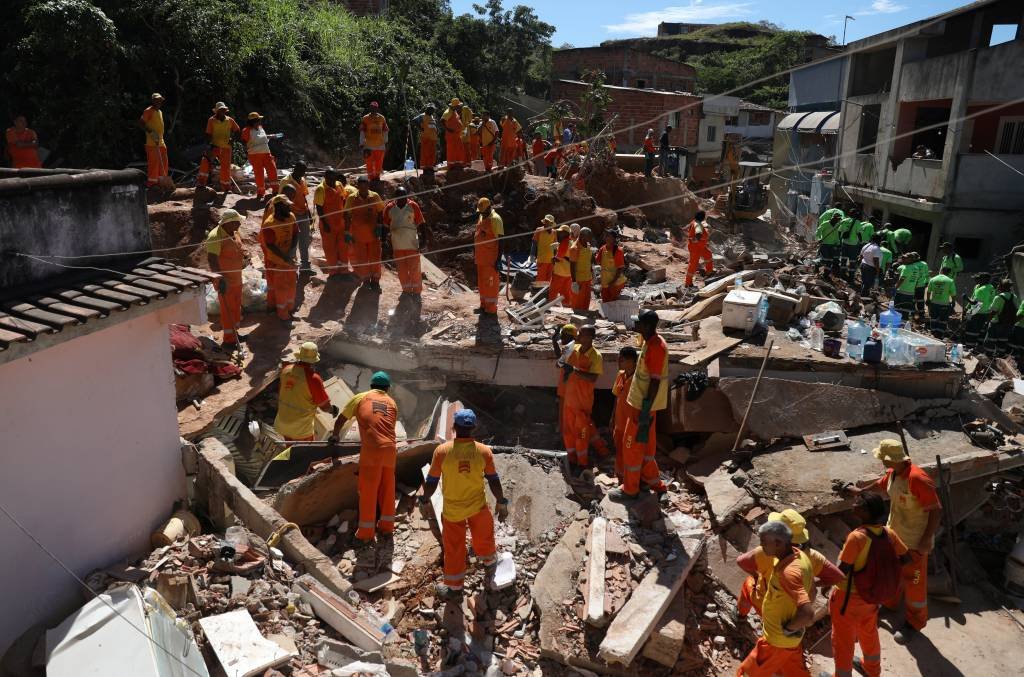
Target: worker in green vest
(906, 283)
(827, 236)
(923, 275)
(939, 295)
(1017, 336)
(868, 228)
(977, 309)
(896, 240)
(950, 259)
(885, 281)
(1002, 317)
(849, 232)
(826, 216)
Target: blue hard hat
(465, 418)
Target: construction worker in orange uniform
(426, 123)
(487, 252)
(562, 343)
(786, 611)
(540, 248)
(300, 394)
(759, 565)
(219, 129)
(472, 136)
(914, 514)
(377, 416)
(461, 467)
(279, 237)
(854, 608)
(329, 201)
(620, 389)
(468, 117)
(613, 266)
(257, 148)
(698, 235)
(488, 138)
(561, 267)
(152, 122)
(582, 370)
(22, 145)
(581, 257)
(226, 257)
(364, 232)
(373, 139)
(648, 394)
(455, 152)
(510, 131)
(300, 207)
(405, 219)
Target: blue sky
(588, 22)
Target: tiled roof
(36, 312)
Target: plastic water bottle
(817, 337)
(738, 283)
(890, 318)
(956, 353)
(409, 164)
(856, 334)
(381, 623)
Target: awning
(812, 122)
(789, 122)
(831, 124)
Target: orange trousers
(508, 155)
(408, 263)
(748, 598)
(489, 284)
(428, 154)
(487, 153)
(858, 624)
(223, 156)
(264, 168)
(282, 284)
(156, 163)
(617, 435)
(335, 248)
(456, 151)
(698, 252)
(561, 285)
(581, 299)
(544, 271)
(366, 259)
(376, 490)
(231, 307)
(374, 164)
(612, 292)
(765, 660)
(577, 429)
(453, 535)
(913, 590)
(638, 457)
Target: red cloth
(186, 352)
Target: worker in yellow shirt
(583, 368)
(329, 201)
(613, 264)
(451, 118)
(426, 123)
(581, 255)
(300, 394)
(487, 245)
(488, 136)
(467, 115)
(373, 138)
(152, 122)
(377, 416)
(510, 131)
(219, 130)
(540, 248)
(226, 256)
(279, 238)
(364, 232)
(461, 467)
(561, 267)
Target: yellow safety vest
(779, 608)
(561, 267)
(642, 382)
(906, 517)
(584, 263)
(295, 406)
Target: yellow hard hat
(308, 353)
(230, 216)
(255, 116)
(568, 329)
(891, 450)
(548, 218)
(795, 521)
(482, 204)
(455, 102)
(562, 229)
(280, 197)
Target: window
(641, 84)
(1011, 136)
(732, 121)
(712, 133)
(968, 247)
(1002, 33)
(868, 136)
(673, 119)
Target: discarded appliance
(744, 309)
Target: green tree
(594, 103)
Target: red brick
(623, 67)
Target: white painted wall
(91, 462)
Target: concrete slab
(555, 583)
(726, 500)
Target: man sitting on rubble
(759, 565)
(914, 514)
(462, 466)
(786, 610)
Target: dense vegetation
(83, 69)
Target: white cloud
(696, 12)
(882, 7)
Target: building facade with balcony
(931, 135)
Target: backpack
(1008, 313)
(879, 580)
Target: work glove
(501, 509)
(222, 286)
(575, 287)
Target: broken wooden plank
(593, 603)
(635, 623)
(434, 275)
(377, 582)
(706, 308)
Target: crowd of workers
(992, 317)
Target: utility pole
(846, 19)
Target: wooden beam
(593, 603)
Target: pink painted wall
(91, 462)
